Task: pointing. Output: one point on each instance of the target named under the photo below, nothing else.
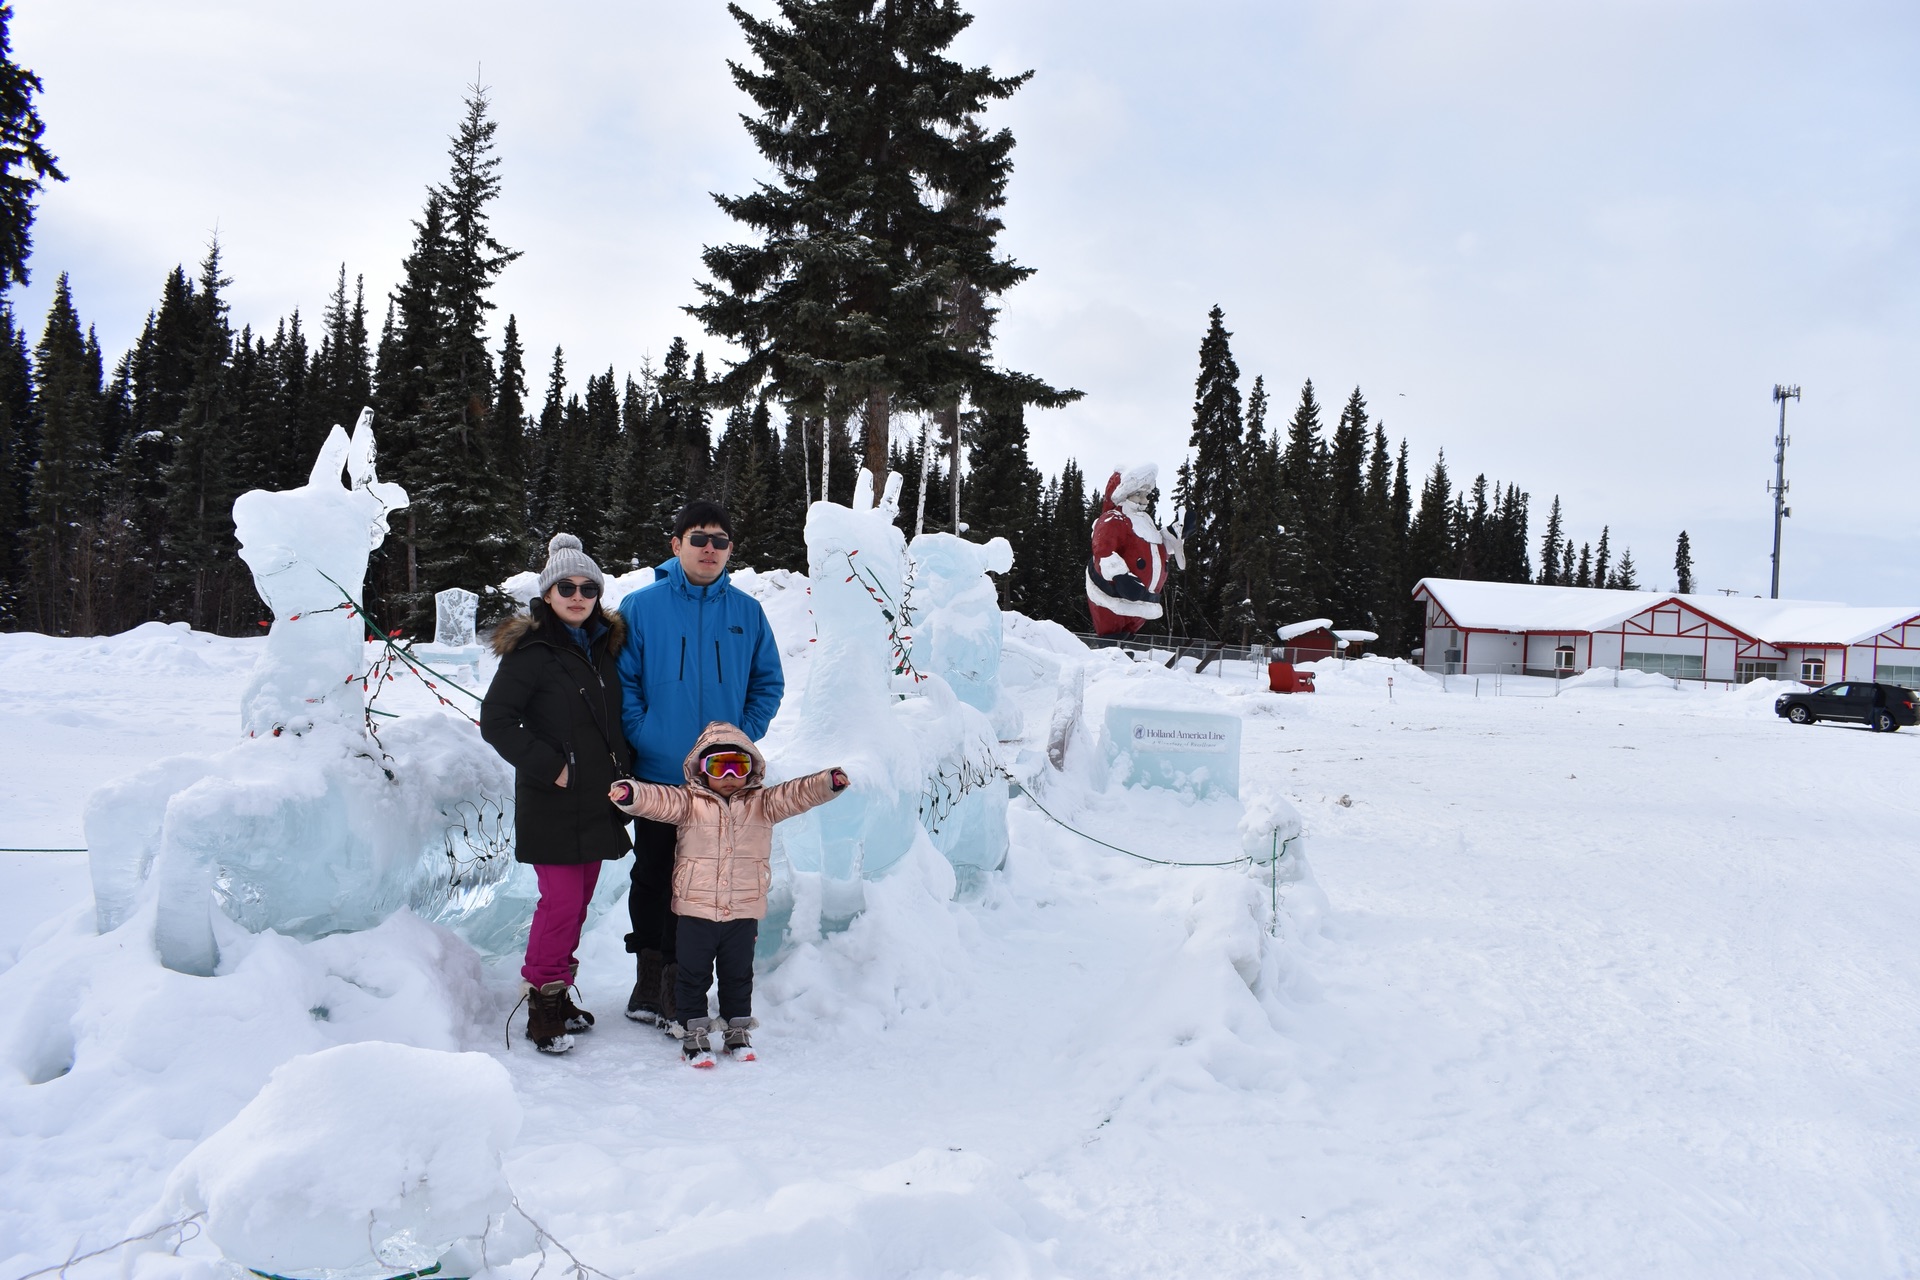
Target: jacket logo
(739, 631)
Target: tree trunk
(806, 472)
(926, 469)
(879, 422)
(950, 428)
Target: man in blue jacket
(698, 650)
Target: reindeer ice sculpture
(922, 760)
(308, 826)
(308, 550)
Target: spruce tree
(1583, 575)
(340, 381)
(1396, 637)
(1003, 500)
(405, 372)
(1626, 577)
(1602, 560)
(509, 447)
(1303, 571)
(1683, 565)
(546, 504)
(464, 504)
(199, 497)
(64, 495)
(1550, 546)
(1255, 520)
(876, 216)
(1207, 492)
(1431, 548)
(629, 539)
(16, 462)
(24, 162)
(1349, 565)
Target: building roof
(1521, 606)
(1294, 630)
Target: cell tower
(1779, 486)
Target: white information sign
(1155, 747)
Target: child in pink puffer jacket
(722, 865)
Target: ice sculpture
(308, 550)
(455, 643)
(921, 758)
(453, 614)
(310, 825)
(956, 621)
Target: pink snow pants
(557, 921)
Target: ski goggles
(720, 541)
(566, 587)
(727, 764)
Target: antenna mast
(1779, 486)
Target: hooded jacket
(694, 655)
(550, 706)
(723, 862)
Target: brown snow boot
(578, 1019)
(645, 1004)
(547, 1018)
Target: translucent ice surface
(309, 825)
(921, 758)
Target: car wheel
(1883, 722)
(1799, 714)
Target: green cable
(1162, 862)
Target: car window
(1835, 691)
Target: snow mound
(360, 1161)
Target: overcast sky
(1573, 244)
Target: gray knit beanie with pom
(565, 559)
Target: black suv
(1881, 707)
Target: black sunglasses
(590, 590)
(720, 541)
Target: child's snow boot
(644, 1004)
(547, 1018)
(696, 1046)
(739, 1045)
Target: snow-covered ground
(1623, 982)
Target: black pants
(703, 943)
(650, 902)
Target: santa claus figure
(1128, 568)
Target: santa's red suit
(1128, 568)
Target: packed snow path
(1621, 982)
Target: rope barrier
(1280, 848)
(60, 1268)
(42, 850)
(1162, 862)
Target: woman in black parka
(553, 713)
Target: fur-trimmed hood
(524, 628)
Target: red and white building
(1520, 628)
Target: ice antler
(328, 467)
(361, 475)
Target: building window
(1906, 677)
(1748, 670)
(1813, 670)
(1563, 658)
(1678, 666)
